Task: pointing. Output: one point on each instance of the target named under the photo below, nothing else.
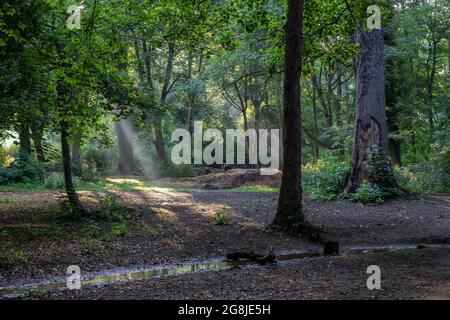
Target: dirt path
(176, 226)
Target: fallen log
(258, 258)
(238, 255)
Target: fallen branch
(259, 258)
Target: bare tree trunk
(338, 102)
(25, 142)
(67, 166)
(448, 40)
(37, 135)
(159, 138)
(127, 162)
(392, 112)
(330, 97)
(316, 150)
(371, 133)
(290, 211)
(76, 156)
(431, 74)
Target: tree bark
(25, 142)
(392, 111)
(290, 211)
(67, 167)
(431, 74)
(37, 135)
(76, 156)
(371, 128)
(316, 150)
(159, 138)
(448, 42)
(127, 164)
(338, 103)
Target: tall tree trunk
(431, 74)
(25, 142)
(76, 155)
(392, 111)
(125, 140)
(316, 150)
(290, 211)
(371, 128)
(67, 167)
(37, 135)
(257, 106)
(338, 103)
(159, 138)
(448, 42)
(330, 97)
(190, 97)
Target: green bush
(55, 181)
(118, 230)
(177, 171)
(9, 254)
(369, 194)
(22, 171)
(430, 177)
(98, 161)
(221, 219)
(381, 174)
(325, 179)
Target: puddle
(25, 288)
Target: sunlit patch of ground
(168, 226)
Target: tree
(290, 211)
(371, 135)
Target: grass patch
(221, 217)
(118, 230)
(324, 180)
(368, 194)
(53, 182)
(256, 188)
(152, 232)
(9, 254)
(4, 200)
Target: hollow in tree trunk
(290, 212)
(371, 133)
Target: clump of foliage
(220, 219)
(118, 230)
(98, 161)
(66, 212)
(9, 254)
(381, 175)
(112, 210)
(23, 170)
(325, 179)
(151, 231)
(368, 193)
(92, 231)
(176, 171)
(55, 181)
(432, 176)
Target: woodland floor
(171, 226)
